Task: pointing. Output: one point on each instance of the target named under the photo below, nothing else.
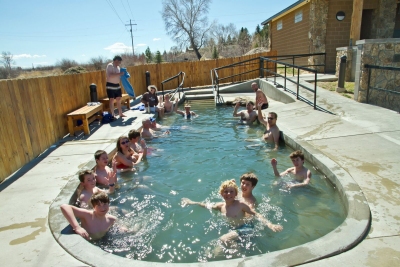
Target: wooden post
(356, 18)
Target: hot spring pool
(192, 162)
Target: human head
(254, 86)
(99, 197)
(101, 156)
(272, 118)
(119, 58)
(187, 107)
(146, 123)
(297, 154)
(122, 139)
(84, 173)
(167, 96)
(250, 106)
(133, 134)
(251, 177)
(227, 184)
(297, 158)
(152, 89)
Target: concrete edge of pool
(344, 237)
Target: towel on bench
(125, 83)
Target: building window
(298, 16)
(279, 25)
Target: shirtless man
(260, 96)
(271, 134)
(247, 116)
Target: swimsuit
(245, 229)
(122, 166)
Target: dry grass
(331, 86)
(35, 73)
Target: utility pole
(130, 24)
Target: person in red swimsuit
(125, 157)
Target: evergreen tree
(215, 53)
(158, 57)
(149, 56)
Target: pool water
(191, 163)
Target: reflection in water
(193, 162)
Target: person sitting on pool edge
(271, 134)
(94, 223)
(301, 174)
(187, 113)
(235, 210)
(125, 157)
(248, 181)
(150, 101)
(260, 96)
(167, 104)
(247, 116)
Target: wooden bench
(86, 114)
(125, 100)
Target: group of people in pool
(238, 207)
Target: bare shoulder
(111, 218)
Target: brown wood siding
(33, 111)
(293, 37)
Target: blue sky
(44, 32)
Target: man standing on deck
(260, 96)
(114, 93)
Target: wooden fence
(33, 111)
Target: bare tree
(186, 22)
(7, 61)
(98, 63)
(223, 33)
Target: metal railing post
(369, 80)
(315, 90)
(261, 67)
(324, 63)
(284, 87)
(298, 81)
(293, 65)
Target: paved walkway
(362, 139)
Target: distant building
(314, 26)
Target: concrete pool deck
(363, 139)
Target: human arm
(112, 177)
(305, 182)
(235, 113)
(122, 159)
(275, 135)
(274, 164)
(260, 115)
(186, 201)
(70, 213)
(273, 227)
(145, 99)
(144, 146)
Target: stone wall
(379, 52)
(317, 33)
(383, 19)
(350, 52)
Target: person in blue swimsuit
(187, 113)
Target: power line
(130, 24)
(115, 11)
(130, 8)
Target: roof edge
(285, 10)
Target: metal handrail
(180, 85)
(278, 60)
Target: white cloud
(27, 56)
(83, 55)
(156, 39)
(118, 48)
(138, 45)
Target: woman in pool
(126, 158)
(187, 113)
